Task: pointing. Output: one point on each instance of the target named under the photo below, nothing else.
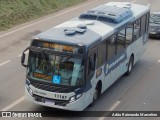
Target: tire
(130, 65)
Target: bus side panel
(89, 91)
(114, 69)
(137, 48)
(119, 64)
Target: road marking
(5, 63)
(134, 1)
(101, 118)
(111, 109)
(114, 105)
(159, 60)
(48, 18)
(19, 55)
(13, 104)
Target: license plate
(39, 99)
(152, 32)
(50, 102)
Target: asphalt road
(137, 92)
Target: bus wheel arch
(99, 87)
(97, 92)
(132, 55)
(130, 64)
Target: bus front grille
(52, 88)
(56, 102)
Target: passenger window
(143, 25)
(147, 21)
(91, 64)
(129, 33)
(136, 29)
(121, 35)
(111, 51)
(102, 53)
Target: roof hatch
(72, 31)
(112, 14)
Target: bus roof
(85, 31)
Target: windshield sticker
(98, 72)
(42, 76)
(56, 79)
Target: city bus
(72, 64)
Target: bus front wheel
(130, 65)
(96, 93)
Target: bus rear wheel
(130, 65)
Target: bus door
(90, 75)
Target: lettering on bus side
(114, 63)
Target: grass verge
(13, 12)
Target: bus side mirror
(23, 57)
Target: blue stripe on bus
(79, 91)
(88, 86)
(83, 89)
(112, 64)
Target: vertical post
(130, 3)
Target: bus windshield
(54, 69)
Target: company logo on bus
(40, 92)
(107, 67)
(114, 63)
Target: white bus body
(113, 45)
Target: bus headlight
(30, 91)
(78, 96)
(27, 82)
(74, 98)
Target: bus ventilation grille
(112, 14)
(51, 88)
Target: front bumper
(154, 34)
(65, 105)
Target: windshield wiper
(43, 56)
(66, 60)
(47, 61)
(157, 22)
